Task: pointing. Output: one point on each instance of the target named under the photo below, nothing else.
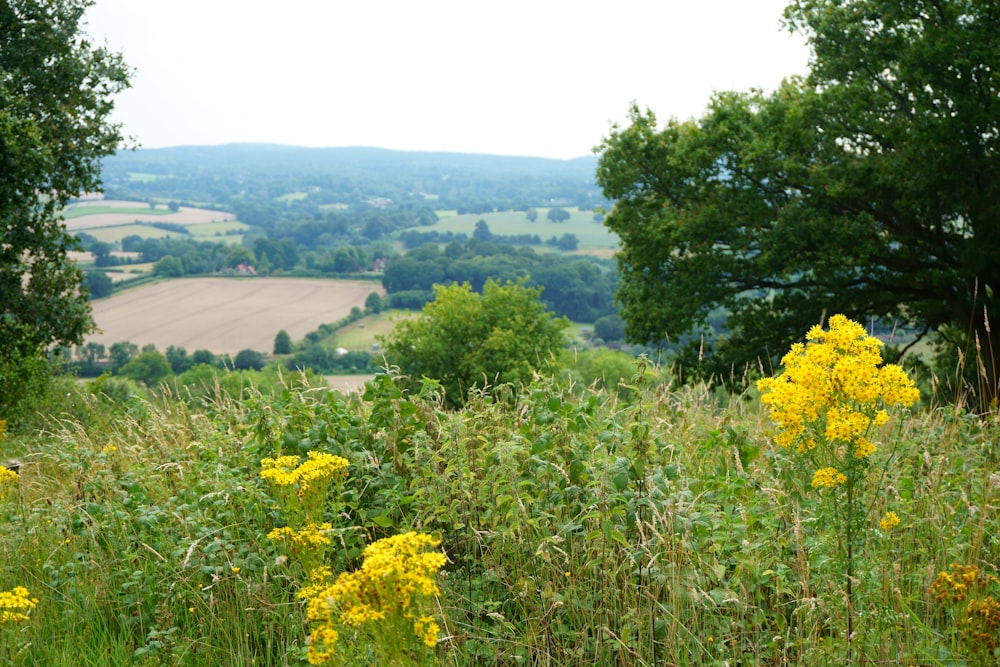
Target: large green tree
(465, 339)
(870, 187)
(56, 91)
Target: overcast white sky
(522, 77)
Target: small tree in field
(557, 215)
(282, 343)
(373, 303)
(466, 340)
(248, 360)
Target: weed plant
(656, 525)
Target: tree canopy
(466, 340)
(56, 92)
(871, 187)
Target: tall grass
(581, 527)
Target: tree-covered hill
(225, 174)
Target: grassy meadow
(77, 211)
(653, 525)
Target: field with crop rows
(225, 314)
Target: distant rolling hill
(219, 174)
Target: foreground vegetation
(649, 525)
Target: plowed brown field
(225, 314)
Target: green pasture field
(292, 196)
(361, 335)
(213, 229)
(141, 177)
(592, 235)
(208, 231)
(115, 233)
(128, 271)
(74, 211)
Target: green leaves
(55, 101)
(465, 340)
(869, 188)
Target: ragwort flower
(889, 521)
(834, 389)
(828, 477)
(393, 585)
(14, 605)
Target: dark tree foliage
(558, 215)
(248, 360)
(56, 93)
(282, 343)
(869, 188)
(98, 284)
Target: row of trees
(149, 366)
(580, 288)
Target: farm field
(107, 213)
(225, 315)
(592, 235)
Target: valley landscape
(724, 393)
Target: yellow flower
(318, 467)
(322, 645)
(828, 477)
(426, 629)
(395, 578)
(889, 521)
(7, 478)
(312, 536)
(109, 449)
(833, 391)
(15, 603)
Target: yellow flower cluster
(318, 467)
(312, 536)
(426, 629)
(833, 387)
(7, 478)
(828, 477)
(889, 521)
(982, 625)
(979, 619)
(395, 578)
(955, 586)
(14, 604)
